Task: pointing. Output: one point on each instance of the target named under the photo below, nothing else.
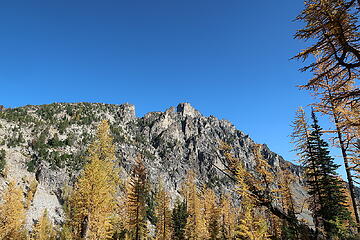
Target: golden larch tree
(252, 224)
(12, 214)
(231, 160)
(285, 179)
(30, 193)
(212, 214)
(195, 228)
(227, 218)
(332, 29)
(120, 220)
(93, 200)
(44, 229)
(137, 190)
(163, 214)
(264, 177)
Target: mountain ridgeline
(44, 148)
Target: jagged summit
(185, 109)
(125, 109)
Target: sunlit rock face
(48, 143)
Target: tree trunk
(348, 172)
(84, 228)
(346, 161)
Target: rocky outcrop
(49, 142)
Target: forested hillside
(45, 149)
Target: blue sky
(227, 58)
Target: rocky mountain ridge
(47, 144)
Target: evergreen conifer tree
(342, 113)
(324, 186)
(332, 201)
(179, 217)
(305, 150)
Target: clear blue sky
(227, 58)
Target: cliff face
(48, 143)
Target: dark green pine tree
(179, 217)
(301, 138)
(324, 183)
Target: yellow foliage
(231, 160)
(44, 229)
(262, 169)
(163, 214)
(195, 228)
(119, 221)
(211, 214)
(30, 192)
(137, 190)
(93, 200)
(276, 226)
(227, 218)
(12, 214)
(66, 233)
(300, 134)
(242, 186)
(285, 179)
(252, 226)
